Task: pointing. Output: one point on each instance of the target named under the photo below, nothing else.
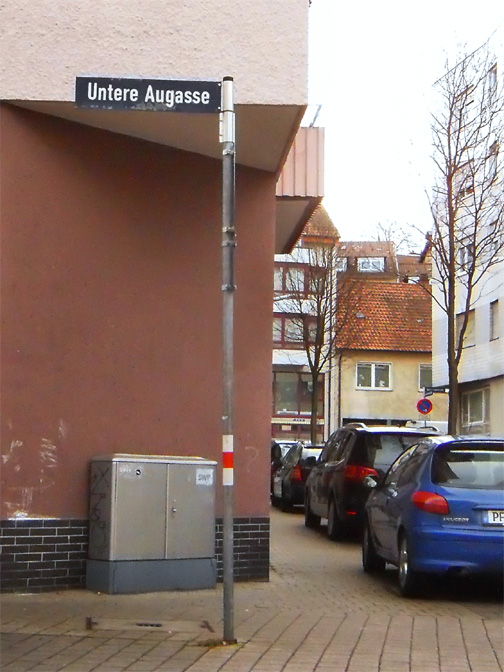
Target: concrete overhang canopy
(264, 138)
(264, 133)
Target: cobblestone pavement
(319, 612)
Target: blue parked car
(438, 509)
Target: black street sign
(435, 390)
(162, 95)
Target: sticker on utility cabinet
(204, 476)
(130, 470)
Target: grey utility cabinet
(151, 523)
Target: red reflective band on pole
(227, 460)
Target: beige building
(383, 358)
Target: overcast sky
(371, 67)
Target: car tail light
(355, 473)
(296, 473)
(430, 502)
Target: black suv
(336, 487)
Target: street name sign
(435, 390)
(161, 95)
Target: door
(139, 512)
(190, 512)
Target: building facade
(383, 357)
(380, 360)
(295, 302)
(111, 260)
(476, 202)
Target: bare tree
(402, 236)
(312, 287)
(468, 202)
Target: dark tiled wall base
(251, 548)
(43, 554)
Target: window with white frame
(494, 320)
(373, 375)
(424, 376)
(371, 264)
(476, 411)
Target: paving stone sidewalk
(319, 612)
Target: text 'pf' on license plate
(495, 517)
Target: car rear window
(469, 467)
(311, 452)
(380, 450)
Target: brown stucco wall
(111, 311)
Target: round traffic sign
(424, 406)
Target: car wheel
(371, 561)
(311, 520)
(335, 526)
(285, 502)
(408, 578)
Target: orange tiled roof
(320, 225)
(384, 316)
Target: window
(397, 467)
(463, 182)
(288, 331)
(278, 282)
(477, 466)
(371, 264)
(292, 393)
(318, 280)
(492, 78)
(289, 279)
(476, 411)
(277, 329)
(497, 237)
(494, 320)
(293, 332)
(424, 376)
(469, 336)
(371, 375)
(295, 280)
(492, 160)
(466, 255)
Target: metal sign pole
(227, 138)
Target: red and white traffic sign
(424, 406)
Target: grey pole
(227, 138)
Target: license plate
(495, 517)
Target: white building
(481, 368)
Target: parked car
(279, 450)
(439, 509)
(289, 480)
(336, 488)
